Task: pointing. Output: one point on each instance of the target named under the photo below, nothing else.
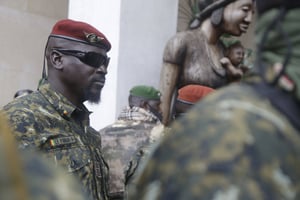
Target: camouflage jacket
(26, 175)
(47, 121)
(125, 143)
(232, 145)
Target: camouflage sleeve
(231, 149)
(23, 122)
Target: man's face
(237, 17)
(154, 107)
(82, 78)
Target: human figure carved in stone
(193, 56)
(233, 60)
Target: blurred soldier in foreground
(53, 119)
(26, 175)
(243, 141)
(127, 141)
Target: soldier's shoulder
(22, 104)
(122, 128)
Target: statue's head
(214, 9)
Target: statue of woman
(193, 56)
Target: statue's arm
(173, 59)
(168, 81)
(233, 73)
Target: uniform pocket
(67, 151)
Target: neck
(71, 96)
(211, 33)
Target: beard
(94, 98)
(93, 95)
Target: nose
(249, 17)
(102, 69)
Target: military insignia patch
(62, 141)
(93, 38)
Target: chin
(94, 97)
(237, 33)
(94, 100)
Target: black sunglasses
(90, 58)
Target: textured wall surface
(25, 25)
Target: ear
(217, 16)
(195, 23)
(56, 59)
(144, 104)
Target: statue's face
(237, 17)
(236, 55)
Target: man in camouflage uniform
(26, 175)
(127, 141)
(243, 141)
(53, 119)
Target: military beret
(264, 5)
(81, 32)
(147, 92)
(193, 93)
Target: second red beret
(193, 93)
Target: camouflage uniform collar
(63, 106)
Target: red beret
(81, 32)
(193, 93)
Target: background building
(138, 31)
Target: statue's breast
(200, 69)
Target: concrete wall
(25, 26)
(145, 27)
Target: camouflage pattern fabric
(125, 144)
(48, 122)
(233, 145)
(27, 176)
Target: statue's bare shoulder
(178, 45)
